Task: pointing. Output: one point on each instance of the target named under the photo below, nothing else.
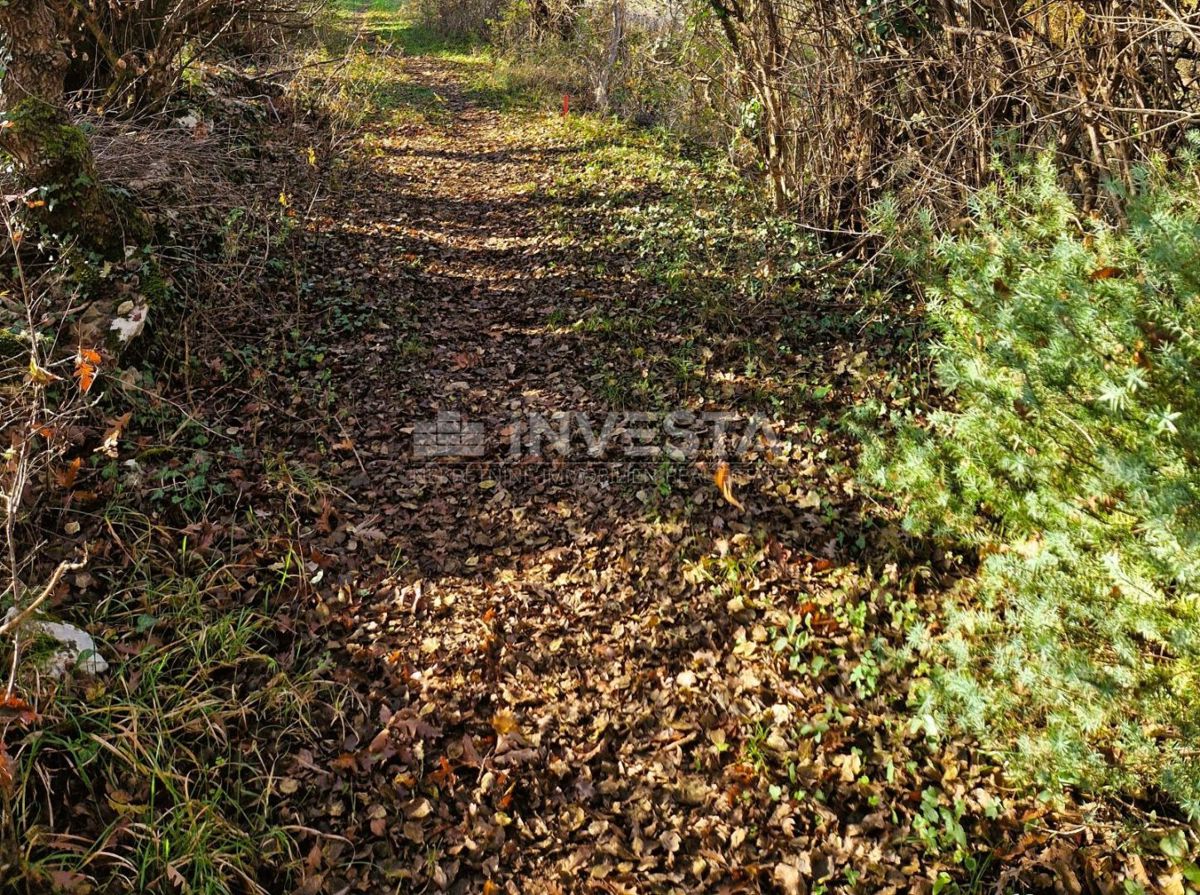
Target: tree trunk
(616, 43)
(52, 156)
(39, 63)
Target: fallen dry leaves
(690, 680)
(587, 684)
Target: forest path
(568, 675)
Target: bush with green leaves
(1065, 456)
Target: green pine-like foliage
(1067, 458)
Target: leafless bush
(842, 101)
(846, 101)
(130, 54)
(459, 19)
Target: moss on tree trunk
(55, 163)
(90, 227)
(52, 157)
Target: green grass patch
(376, 40)
(159, 775)
(394, 22)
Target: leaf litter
(561, 677)
(696, 682)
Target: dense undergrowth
(160, 773)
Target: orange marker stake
(566, 104)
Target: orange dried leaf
(67, 475)
(444, 773)
(344, 762)
(724, 483)
(87, 362)
(24, 712)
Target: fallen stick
(63, 567)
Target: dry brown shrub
(851, 101)
(129, 55)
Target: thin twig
(62, 568)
